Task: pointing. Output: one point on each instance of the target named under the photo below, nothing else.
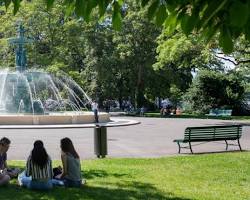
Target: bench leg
(190, 147)
(227, 145)
(239, 145)
(179, 147)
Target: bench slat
(210, 133)
(213, 133)
(211, 130)
(230, 133)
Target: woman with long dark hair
(39, 172)
(71, 174)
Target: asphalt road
(152, 138)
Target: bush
(211, 89)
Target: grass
(196, 116)
(224, 176)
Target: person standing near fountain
(94, 106)
(71, 175)
(38, 174)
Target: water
(38, 92)
(21, 107)
(3, 77)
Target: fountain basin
(53, 118)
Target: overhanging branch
(226, 59)
(236, 62)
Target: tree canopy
(228, 18)
(211, 89)
(118, 64)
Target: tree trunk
(140, 88)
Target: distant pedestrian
(142, 111)
(94, 106)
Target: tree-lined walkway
(152, 138)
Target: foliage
(215, 176)
(180, 56)
(175, 95)
(186, 53)
(229, 18)
(107, 63)
(211, 89)
(121, 61)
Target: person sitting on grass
(4, 147)
(71, 173)
(38, 174)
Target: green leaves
(171, 22)
(7, 3)
(158, 11)
(16, 6)
(213, 7)
(116, 17)
(152, 9)
(102, 5)
(247, 30)
(225, 41)
(49, 3)
(80, 6)
(83, 8)
(215, 89)
(161, 15)
(144, 2)
(205, 16)
(188, 22)
(238, 14)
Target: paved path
(152, 138)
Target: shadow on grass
(218, 152)
(130, 190)
(115, 189)
(91, 174)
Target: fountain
(33, 97)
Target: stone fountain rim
(114, 122)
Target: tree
(184, 52)
(229, 18)
(211, 89)
(240, 57)
(123, 59)
(180, 56)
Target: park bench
(219, 112)
(210, 133)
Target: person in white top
(94, 106)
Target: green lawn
(205, 177)
(196, 116)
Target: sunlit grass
(196, 116)
(224, 176)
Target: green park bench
(219, 112)
(210, 133)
